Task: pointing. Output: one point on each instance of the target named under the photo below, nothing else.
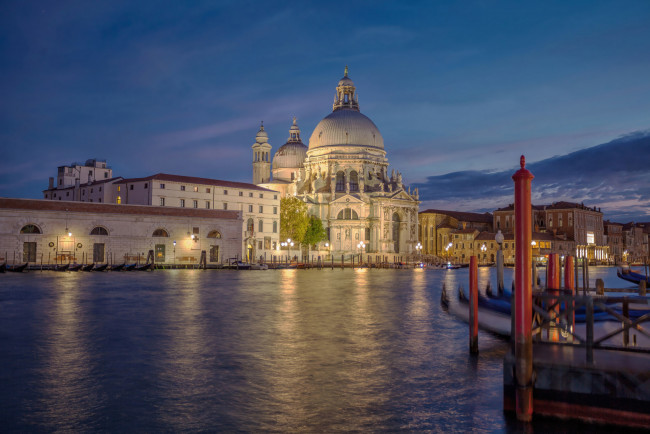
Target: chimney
(51, 186)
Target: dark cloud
(614, 176)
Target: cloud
(614, 176)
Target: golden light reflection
(67, 392)
(180, 365)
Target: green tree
(315, 232)
(294, 220)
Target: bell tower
(261, 157)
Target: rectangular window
(275, 210)
(260, 226)
(195, 231)
(162, 186)
(267, 243)
(225, 205)
(250, 194)
(182, 188)
(67, 193)
(207, 204)
(261, 196)
(98, 252)
(119, 188)
(195, 203)
(259, 245)
(159, 253)
(225, 192)
(196, 189)
(590, 238)
(100, 189)
(367, 234)
(84, 191)
(91, 190)
(146, 185)
(250, 208)
(275, 196)
(182, 203)
(207, 190)
(100, 199)
(131, 187)
(162, 201)
(261, 209)
(241, 193)
(29, 251)
(275, 227)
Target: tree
(315, 232)
(294, 220)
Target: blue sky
(459, 88)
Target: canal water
(249, 351)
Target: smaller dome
(262, 136)
(290, 155)
(293, 153)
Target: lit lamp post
(174, 252)
(483, 249)
(361, 246)
(418, 249)
(534, 244)
(447, 250)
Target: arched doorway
(396, 232)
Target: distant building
(259, 207)
(88, 182)
(635, 243)
(614, 240)
(61, 232)
(437, 227)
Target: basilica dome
(292, 154)
(346, 125)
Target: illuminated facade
(343, 176)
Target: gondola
(631, 276)
(17, 268)
(118, 267)
(3, 267)
(88, 267)
(130, 267)
(145, 267)
(75, 267)
(100, 267)
(62, 267)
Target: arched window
(30, 229)
(160, 233)
(354, 181)
(340, 181)
(260, 226)
(348, 214)
(250, 225)
(214, 234)
(98, 230)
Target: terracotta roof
(608, 223)
(511, 207)
(106, 208)
(571, 205)
(445, 225)
(196, 180)
(466, 231)
(463, 216)
(103, 181)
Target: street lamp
(174, 252)
(483, 249)
(447, 250)
(361, 246)
(418, 249)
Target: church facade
(343, 176)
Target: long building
(43, 231)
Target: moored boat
(118, 267)
(3, 267)
(17, 268)
(631, 276)
(88, 267)
(100, 267)
(145, 267)
(62, 267)
(75, 267)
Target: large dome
(346, 128)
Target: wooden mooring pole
(473, 305)
(569, 281)
(523, 294)
(553, 286)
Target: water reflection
(67, 391)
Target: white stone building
(259, 206)
(48, 232)
(343, 176)
(88, 182)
